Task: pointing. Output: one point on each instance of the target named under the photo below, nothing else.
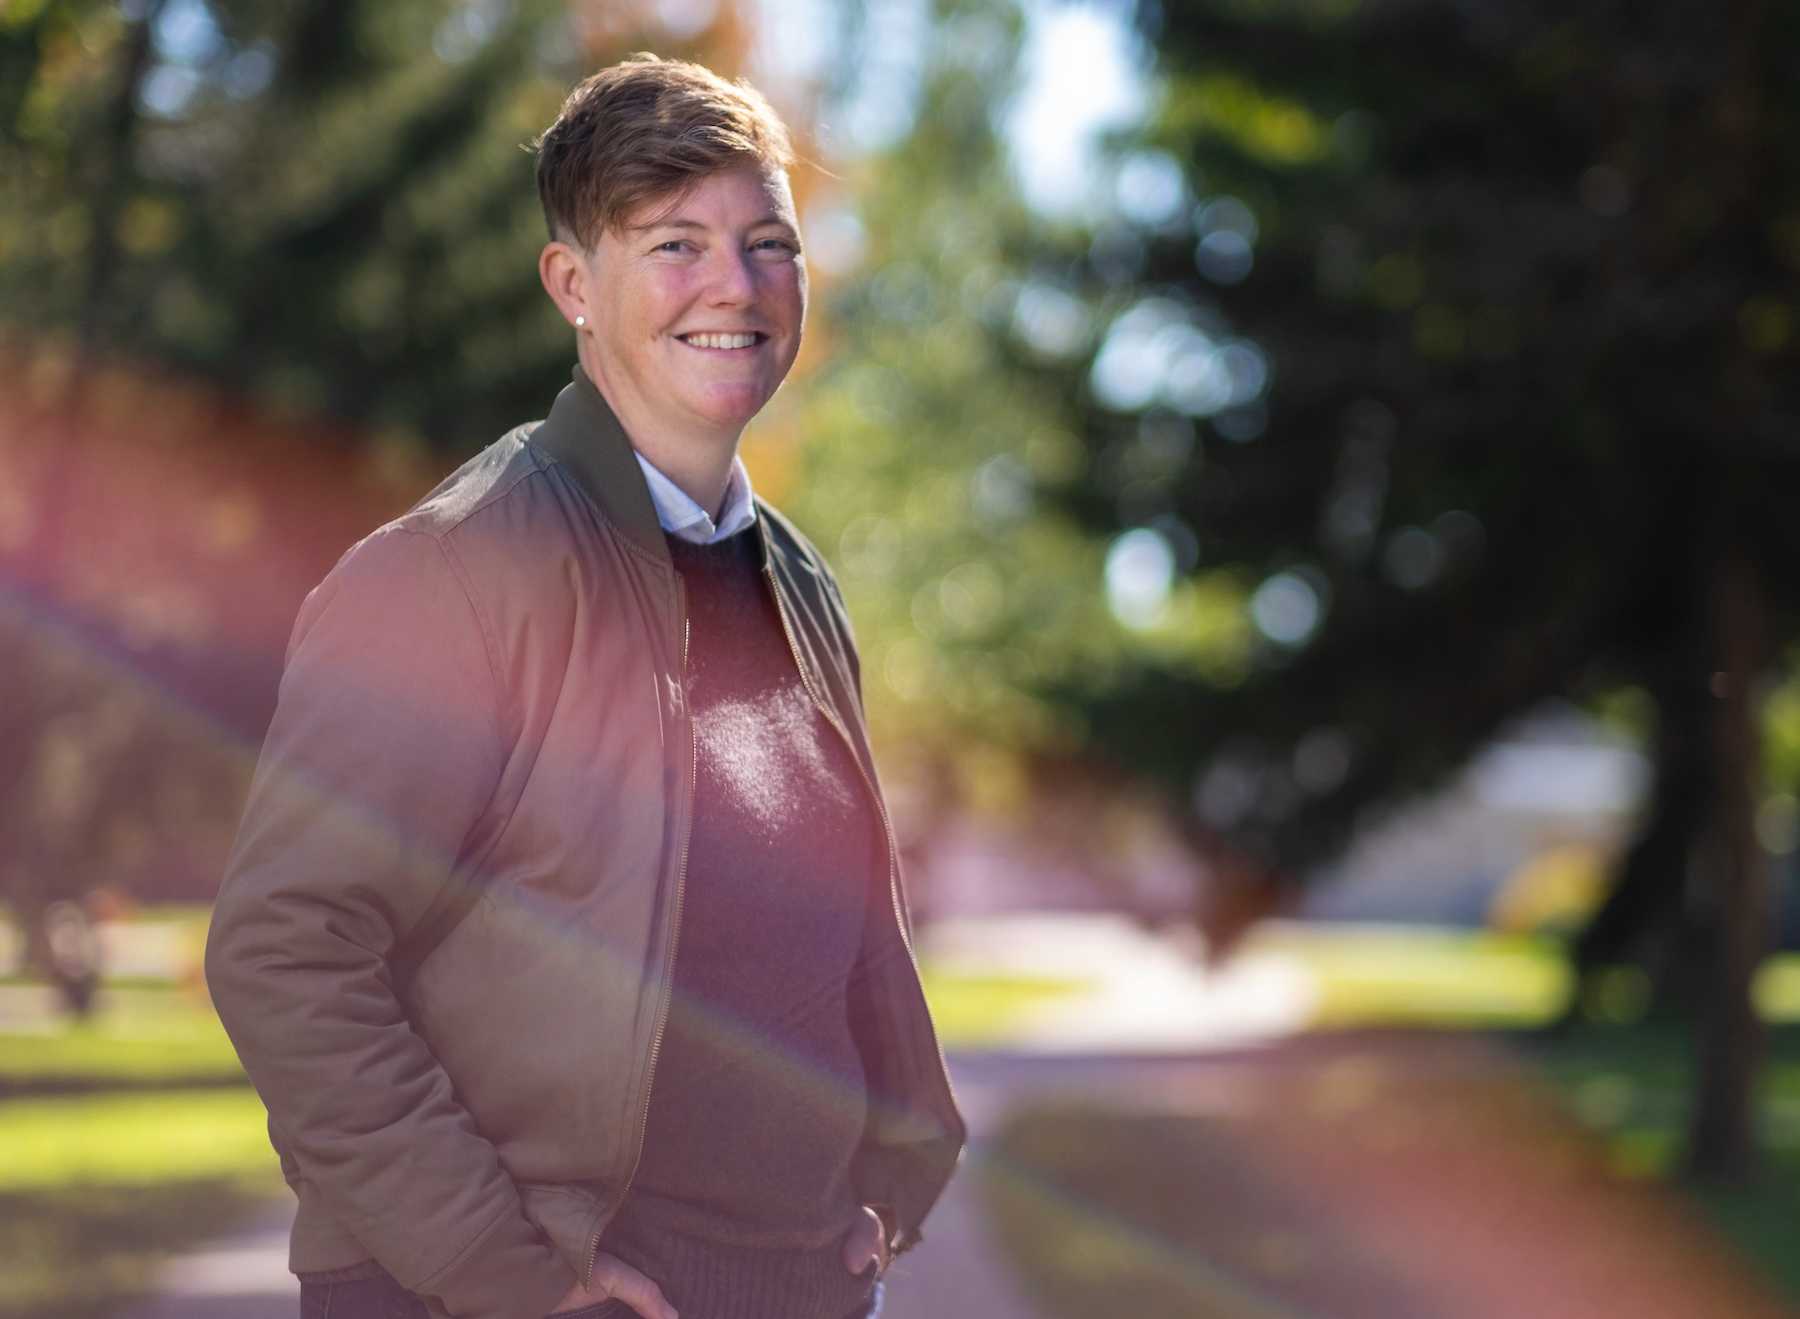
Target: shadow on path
(1356, 1176)
(240, 1276)
(1350, 1176)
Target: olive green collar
(583, 435)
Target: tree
(1474, 356)
(316, 204)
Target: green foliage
(1240, 116)
(937, 446)
(1422, 315)
(325, 204)
(1781, 733)
(923, 454)
(1525, 390)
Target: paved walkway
(1390, 1177)
(1354, 1177)
(957, 1270)
(241, 1276)
(1377, 1176)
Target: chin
(733, 409)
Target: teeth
(720, 340)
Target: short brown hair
(644, 129)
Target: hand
(615, 1279)
(866, 1243)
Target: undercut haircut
(644, 130)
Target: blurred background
(1315, 481)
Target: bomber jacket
(444, 942)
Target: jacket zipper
(662, 1010)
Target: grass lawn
(1422, 976)
(1631, 1085)
(95, 1190)
(970, 1011)
(137, 1036)
(123, 1139)
(1415, 975)
(131, 1139)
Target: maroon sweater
(742, 1196)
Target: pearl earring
(581, 322)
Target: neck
(702, 473)
(697, 459)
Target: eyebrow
(769, 219)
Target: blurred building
(1521, 836)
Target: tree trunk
(1643, 911)
(1722, 1138)
(113, 186)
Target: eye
(779, 246)
(674, 245)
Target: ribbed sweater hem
(719, 1280)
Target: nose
(734, 278)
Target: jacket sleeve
(385, 748)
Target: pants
(383, 1298)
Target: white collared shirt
(681, 517)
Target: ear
(565, 278)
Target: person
(563, 936)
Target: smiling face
(695, 308)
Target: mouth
(723, 342)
